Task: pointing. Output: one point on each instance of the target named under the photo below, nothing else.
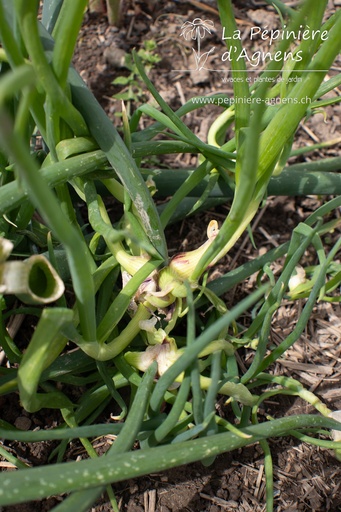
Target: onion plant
(134, 317)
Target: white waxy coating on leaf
(139, 204)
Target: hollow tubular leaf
(34, 281)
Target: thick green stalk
(319, 177)
(12, 194)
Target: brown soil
(306, 478)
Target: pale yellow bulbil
(162, 288)
(297, 278)
(170, 280)
(183, 264)
(165, 353)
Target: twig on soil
(218, 501)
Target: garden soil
(306, 478)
